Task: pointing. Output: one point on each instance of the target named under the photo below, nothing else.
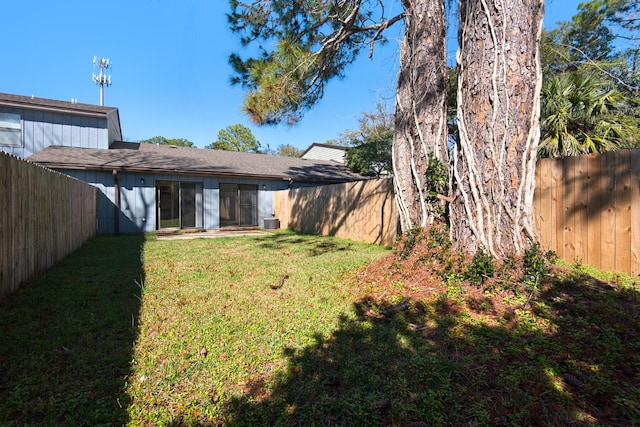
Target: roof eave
(60, 109)
(147, 170)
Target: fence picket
(581, 223)
(635, 212)
(623, 211)
(594, 189)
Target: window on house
(11, 129)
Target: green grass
(143, 332)
(216, 296)
(66, 338)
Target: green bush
(481, 268)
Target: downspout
(116, 208)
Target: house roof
(34, 103)
(151, 158)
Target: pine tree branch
(599, 68)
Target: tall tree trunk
(421, 111)
(499, 83)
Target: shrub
(480, 269)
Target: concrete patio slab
(209, 234)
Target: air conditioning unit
(271, 223)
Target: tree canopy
(236, 137)
(370, 145)
(287, 150)
(179, 142)
(299, 46)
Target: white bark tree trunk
(421, 113)
(499, 83)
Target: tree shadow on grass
(66, 337)
(433, 365)
(317, 245)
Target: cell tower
(101, 79)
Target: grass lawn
(283, 329)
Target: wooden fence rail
(44, 216)
(588, 209)
(363, 211)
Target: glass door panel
(248, 205)
(188, 205)
(228, 205)
(238, 205)
(168, 205)
(180, 205)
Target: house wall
(325, 153)
(113, 125)
(137, 203)
(41, 129)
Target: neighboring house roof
(317, 151)
(54, 105)
(151, 158)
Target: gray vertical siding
(137, 203)
(113, 126)
(103, 181)
(42, 129)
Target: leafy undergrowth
(292, 330)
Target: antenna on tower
(101, 79)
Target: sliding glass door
(238, 205)
(179, 205)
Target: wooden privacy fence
(45, 216)
(588, 209)
(363, 210)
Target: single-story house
(148, 187)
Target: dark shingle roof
(30, 102)
(151, 158)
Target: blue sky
(169, 67)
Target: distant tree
(161, 140)
(371, 158)
(376, 124)
(236, 137)
(370, 152)
(288, 150)
(601, 37)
